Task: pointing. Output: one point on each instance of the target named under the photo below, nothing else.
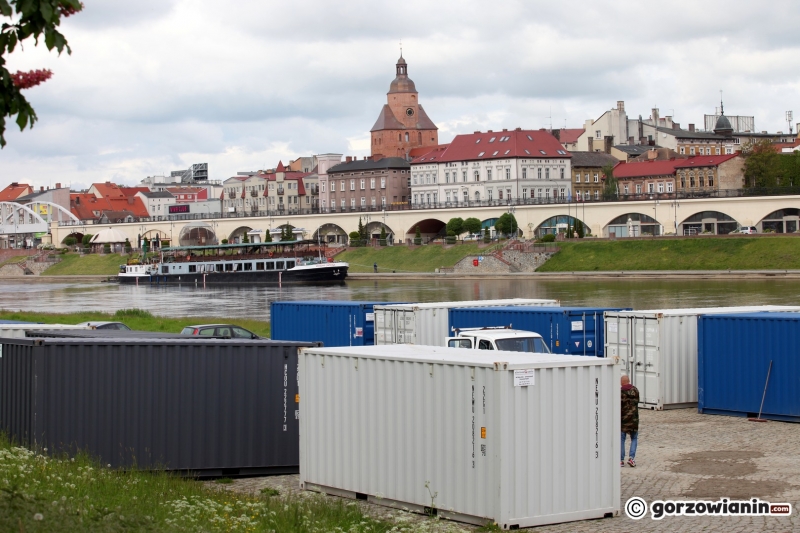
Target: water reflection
(253, 302)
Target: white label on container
(359, 332)
(370, 317)
(523, 378)
(577, 325)
(612, 327)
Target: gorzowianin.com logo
(637, 508)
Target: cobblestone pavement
(682, 455)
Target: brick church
(402, 124)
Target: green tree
(472, 225)
(762, 165)
(362, 231)
(245, 239)
(579, 229)
(790, 169)
(268, 236)
(486, 236)
(507, 224)
(382, 240)
(417, 236)
(456, 226)
(107, 248)
(86, 240)
(127, 246)
(28, 19)
(610, 183)
(355, 239)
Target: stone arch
(429, 228)
(714, 222)
(559, 224)
(197, 234)
(632, 225)
(330, 234)
(237, 235)
(374, 230)
(786, 220)
(77, 235)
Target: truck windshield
(523, 344)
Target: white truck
(498, 338)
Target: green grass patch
(43, 493)
(138, 319)
(698, 253)
(403, 259)
(14, 260)
(86, 265)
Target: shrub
(486, 236)
(417, 237)
(86, 240)
(107, 248)
(70, 241)
(224, 241)
(127, 246)
(245, 239)
(471, 225)
(550, 237)
(382, 240)
(355, 239)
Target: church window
(399, 137)
(419, 137)
(406, 136)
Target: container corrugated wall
(658, 350)
(18, 331)
(216, 407)
(332, 322)
(734, 356)
(429, 323)
(452, 419)
(566, 330)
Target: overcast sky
(156, 85)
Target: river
(253, 302)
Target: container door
(405, 326)
(577, 334)
(645, 359)
(618, 336)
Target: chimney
(488, 131)
(691, 127)
(505, 129)
(654, 116)
(41, 188)
(479, 132)
(348, 159)
(58, 185)
(621, 106)
(652, 154)
(520, 129)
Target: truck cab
(500, 338)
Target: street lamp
(655, 213)
(675, 205)
(511, 211)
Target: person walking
(630, 420)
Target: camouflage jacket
(630, 408)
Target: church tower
(402, 124)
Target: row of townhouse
(694, 176)
(506, 167)
(280, 190)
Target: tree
(268, 237)
(762, 165)
(245, 239)
(506, 224)
(579, 228)
(486, 236)
(87, 239)
(472, 225)
(417, 236)
(28, 18)
(456, 226)
(610, 184)
(355, 239)
(382, 240)
(362, 231)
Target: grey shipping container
(332, 322)
(107, 334)
(210, 407)
(741, 353)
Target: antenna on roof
(401, 47)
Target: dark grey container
(204, 407)
(105, 334)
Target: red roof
(14, 191)
(704, 160)
(422, 150)
(498, 145)
(645, 168)
(108, 190)
(133, 191)
(569, 136)
(280, 167)
(83, 205)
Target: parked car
(219, 330)
(474, 237)
(749, 230)
(106, 325)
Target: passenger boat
(274, 263)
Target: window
(406, 136)
(578, 178)
(481, 154)
(508, 193)
(710, 179)
(546, 193)
(372, 183)
(383, 201)
(562, 192)
(491, 194)
(496, 152)
(323, 186)
(492, 139)
(489, 173)
(464, 176)
(363, 202)
(650, 187)
(578, 195)
(660, 187)
(669, 187)
(447, 177)
(683, 182)
(596, 177)
(352, 185)
(562, 173)
(341, 187)
(598, 134)
(596, 195)
(466, 197)
(416, 199)
(524, 193)
(447, 196)
(547, 173)
(702, 180)
(428, 198)
(508, 173)
(434, 198)
(383, 183)
(691, 150)
(477, 175)
(342, 203)
(691, 180)
(638, 188)
(717, 150)
(539, 172)
(625, 189)
(524, 173)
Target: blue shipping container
(566, 330)
(332, 322)
(734, 352)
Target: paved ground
(682, 455)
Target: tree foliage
(762, 165)
(455, 226)
(28, 19)
(579, 230)
(472, 225)
(268, 236)
(610, 184)
(507, 224)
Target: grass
(41, 492)
(698, 253)
(402, 259)
(14, 260)
(89, 264)
(135, 319)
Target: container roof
(476, 303)
(708, 310)
(463, 356)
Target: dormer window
(492, 139)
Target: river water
(253, 302)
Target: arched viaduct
(600, 217)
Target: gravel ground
(682, 455)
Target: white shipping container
(658, 350)
(17, 331)
(518, 439)
(428, 323)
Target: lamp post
(655, 213)
(511, 211)
(675, 205)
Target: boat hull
(311, 276)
